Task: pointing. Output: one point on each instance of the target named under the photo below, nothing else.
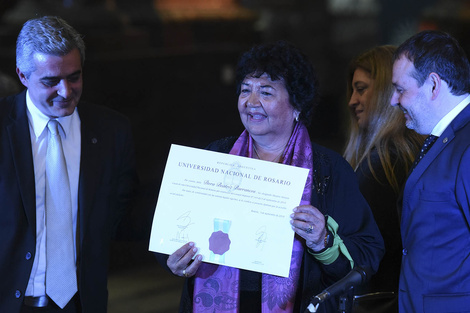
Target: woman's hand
(181, 262)
(309, 223)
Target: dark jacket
(106, 183)
(435, 226)
(383, 202)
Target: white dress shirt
(71, 145)
(449, 117)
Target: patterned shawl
(216, 287)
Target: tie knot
(429, 140)
(53, 127)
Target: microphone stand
(342, 305)
(342, 288)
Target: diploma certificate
(235, 209)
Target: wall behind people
(8, 85)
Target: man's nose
(64, 89)
(394, 100)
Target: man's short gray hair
(48, 35)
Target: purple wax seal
(219, 242)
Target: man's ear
(22, 77)
(436, 84)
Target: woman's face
(361, 96)
(265, 109)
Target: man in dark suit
(431, 75)
(97, 159)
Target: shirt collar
(449, 117)
(39, 120)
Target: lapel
(90, 168)
(442, 142)
(20, 144)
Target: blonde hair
(386, 132)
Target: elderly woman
(334, 228)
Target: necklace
(277, 158)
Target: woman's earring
(297, 117)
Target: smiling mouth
(402, 109)
(256, 116)
(62, 103)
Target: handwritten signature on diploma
(261, 237)
(185, 220)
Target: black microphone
(357, 276)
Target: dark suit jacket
(435, 226)
(106, 181)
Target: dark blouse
(383, 203)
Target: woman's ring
(184, 273)
(309, 230)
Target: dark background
(169, 64)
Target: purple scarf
(216, 287)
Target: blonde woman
(381, 150)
